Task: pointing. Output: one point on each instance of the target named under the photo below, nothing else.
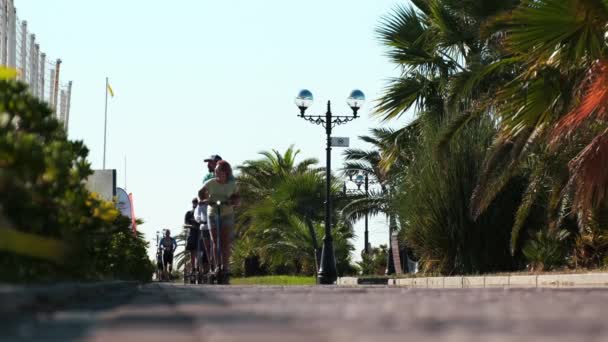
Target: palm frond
(422, 5)
(354, 167)
(528, 199)
(501, 165)
(402, 94)
(404, 31)
(537, 103)
(453, 31)
(588, 174)
(372, 205)
(594, 103)
(464, 84)
(561, 32)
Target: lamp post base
(390, 264)
(327, 272)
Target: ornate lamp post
(327, 269)
(362, 179)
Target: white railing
(20, 50)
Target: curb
(17, 299)
(583, 280)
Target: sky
(197, 77)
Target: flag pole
(105, 126)
(125, 173)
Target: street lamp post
(362, 179)
(327, 270)
(390, 263)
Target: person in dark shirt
(168, 245)
(193, 235)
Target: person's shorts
(168, 258)
(192, 242)
(225, 221)
(205, 235)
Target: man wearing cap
(200, 213)
(211, 164)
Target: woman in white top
(222, 189)
(200, 215)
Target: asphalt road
(167, 312)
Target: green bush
(547, 250)
(43, 194)
(433, 203)
(374, 263)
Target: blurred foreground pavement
(170, 312)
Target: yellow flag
(110, 90)
(8, 73)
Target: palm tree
(182, 259)
(551, 111)
(287, 222)
(450, 65)
(562, 44)
(442, 50)
(382, 169)
(368, 162)
(259, 177)
(284, 199)
(371, 163)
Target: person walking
(192, 244)
(168, 245)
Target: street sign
(340, 142)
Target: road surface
(171, 312)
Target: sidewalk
(583, 280)
(29, 298)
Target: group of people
(213, 206)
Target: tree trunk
(315, 246)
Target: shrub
(547, 250)
(42, 194)
(433, 203)
(374, 263)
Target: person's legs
(213, 243)
(205, 246)
(193, 261)
(170, 264)
(159, 265)
(191, 248)
(226, 239)
(165, 265)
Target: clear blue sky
(196, 77)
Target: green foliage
(433, 207)
(374, 263)
(547, 250)
(591, 244)
(509, 132)
(126, 258)
(281, 220)
(42, 194)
